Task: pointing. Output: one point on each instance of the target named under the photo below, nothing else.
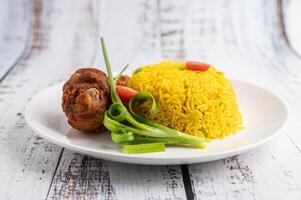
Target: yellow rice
(198, 103)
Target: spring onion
(135, 133)
(143, 148)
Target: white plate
(264, 116)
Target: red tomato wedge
(197, 66)
(125, 93)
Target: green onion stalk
(135, 133)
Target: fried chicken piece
(86, 96)
(123, 80)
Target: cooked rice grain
(198, 103)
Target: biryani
(170, 103)
(202, 104)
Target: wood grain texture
(291, 19)
(14, 32)
(246, 39)
(249, 50)
(82, 177)
(60, 42)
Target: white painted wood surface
(47, 40)
(15, 32)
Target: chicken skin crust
(86, 97)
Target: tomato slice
(125, 93)
(197, 66)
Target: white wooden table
(43, 41)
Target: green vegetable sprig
(135, 133)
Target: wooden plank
(131, 34)
(135, 41)
(61, 41)
(291, 20)
(267, 173)
(172, 19)
(81, 177)
(290, 58)
(14, 32)
(248, 49)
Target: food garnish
(197, 66)
(143, 148)
(135, 133)
(125, 93)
